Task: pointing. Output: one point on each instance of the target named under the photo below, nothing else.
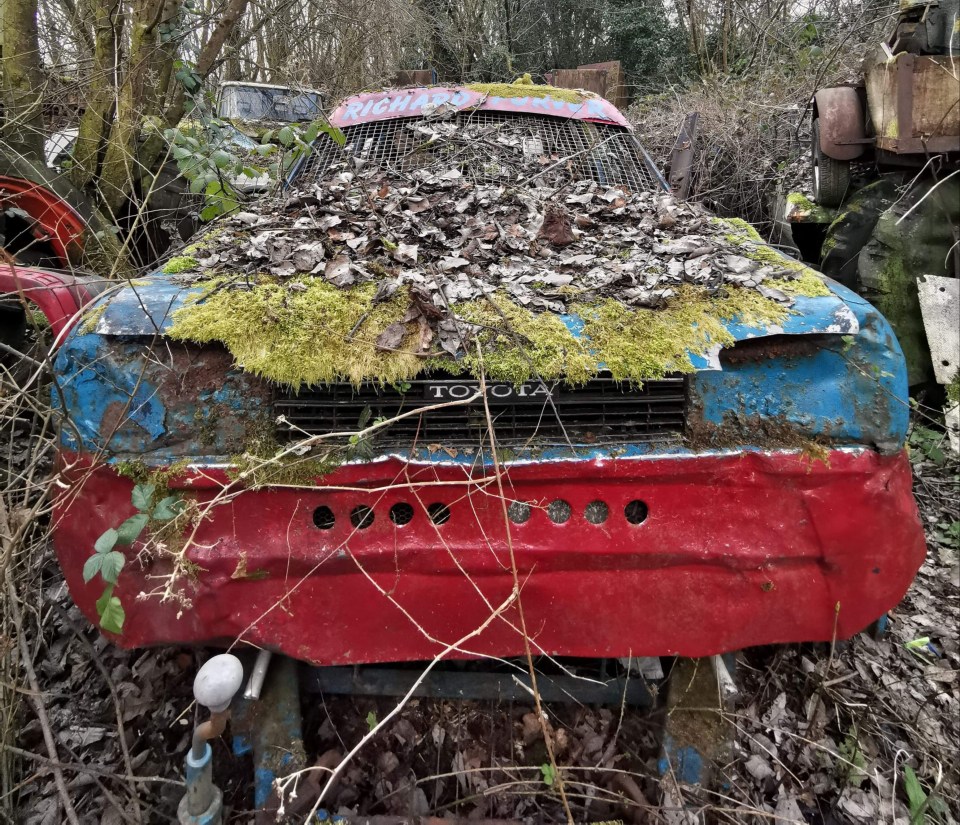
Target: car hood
(147, 307)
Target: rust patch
(191, 370)
(765, 432)
(775, 346)
(115, 418)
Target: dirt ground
(865, 733)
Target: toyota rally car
(476, 343)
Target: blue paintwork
(270, 729)
(857, 386)
(97, 387)
(854, 390)
(685, 763)
(199, 772)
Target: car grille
(603, 411)
(607, 154)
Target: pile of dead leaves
(540, 238)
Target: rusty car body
(763, 498)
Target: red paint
(59, 296)
(57, 221)
(394, 103)
(736, 551)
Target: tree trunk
(97, 118)
(22, 81)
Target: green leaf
(371, 720)
(110, 611)
(267, 137)
(142, 496)
(333, 133)
(131, 528)
(285, 136)
(915, 795)
(168, 508)
(92, 566)
(198, 184)
(107, 541)
(112, 565)
(179, 153)
(548, 775)
(265, 150)
(222, 159)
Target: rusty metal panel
(415, 77)
(841, 122)
(604, 79)
(915, 102)
(616, 91)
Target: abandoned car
(476, 380)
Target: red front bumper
(736, 550)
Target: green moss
(814, 213)
(92, 318)
(518, 344)
(647, 344)
(322, 334)
(525, 87)
(314, 336)
(807, 282)
(801, 201)
(207, 421)
(953, 390)
(180, 263)
(139, 472)
(739, 230)
(258, 471)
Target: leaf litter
(437, 241)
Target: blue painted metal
(880, 627)
(685, 763)
(270, 729)
(199, 782)
(132, 395)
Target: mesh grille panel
(601, 412)
(492, 148)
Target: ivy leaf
(168, 508)
(110, 611)
(112, 564)
(107, 541)
(142, 496)
(131, 528)
(92, 566)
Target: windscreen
(259, 103)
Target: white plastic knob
(217, 682)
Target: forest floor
(867, 732)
